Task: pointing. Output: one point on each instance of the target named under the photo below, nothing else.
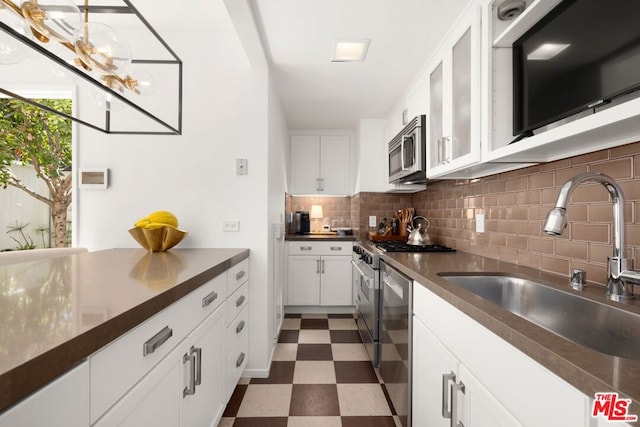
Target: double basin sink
(596, 325)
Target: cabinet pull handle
(446, 412)
(305, 248)
(318, 184)
(240, 327)
(209, 299)
(240, 300)
(240, 274)
(322, 264)
(198, 353)
(336, 248)
(448, 149)
(191, 386)
(317, 266)
(455, 388)
(240, 360)
(156, 341)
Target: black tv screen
(582, 54)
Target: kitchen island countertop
(57, 312)
(587, 370)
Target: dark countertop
(56, 312)
(587, 370)
(319, 237)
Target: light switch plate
(242, 166)
(372, 221)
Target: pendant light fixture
(100, 56)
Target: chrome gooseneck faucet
(621, 276)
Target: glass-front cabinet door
(454, 98)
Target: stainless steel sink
(602, 327)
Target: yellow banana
(163, 217)
(141, 222)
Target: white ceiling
(298, 37)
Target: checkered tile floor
(321, 376)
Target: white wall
(193, 175)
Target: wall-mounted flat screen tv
(584, 53)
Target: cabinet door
(303, 284)
(336, 287)
(479, 407)
(154, 401)
(434, 371)
(334, 165)
(305, 164)
(454, 97)
(64, 402)
(204, 407)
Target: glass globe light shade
(13, 51)
(57, 19)
(99, 46)
(104, 99)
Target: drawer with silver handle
(235, 303)
(320, 248)
(237, 329)
(237, 276)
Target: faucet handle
(578, 279)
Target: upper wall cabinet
(453, 136)
(320, 165)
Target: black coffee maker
(302, 222)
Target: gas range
(401, 246)
(369, 252)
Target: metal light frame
(106, 128)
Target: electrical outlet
(242, 167)
(372, 221)
(230, 226)
(479, 223)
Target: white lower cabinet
(464, 371)
(63, 402)
(319, 274)
(185, 380)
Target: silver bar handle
(318, 184)
(156, 341)
(455, 418)
(305, 248)
(402, 166)
(317, 266)
(240, 360)
(322, 267)
(336, 248)
(240, 274)
(240, 300)
(206, 301)
(198, 353)
(321, 180)
(446, 412)
(240, 327)
(191, 387)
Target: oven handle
(357, 268)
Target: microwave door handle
(402, 153)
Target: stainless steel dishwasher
(395, 339)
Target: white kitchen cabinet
(63, 402)
(322, 276)
(500, 382)
(453, 135)
(184, 380)
(320, 164)
(204, 399)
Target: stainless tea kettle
(418, 235)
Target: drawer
(237, 330)
(117, 367)
(320, 248)
(236, 303)
(235, 364)
(237, 275)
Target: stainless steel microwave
(407, 153)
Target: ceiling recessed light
(350, 50)
(546, 51)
